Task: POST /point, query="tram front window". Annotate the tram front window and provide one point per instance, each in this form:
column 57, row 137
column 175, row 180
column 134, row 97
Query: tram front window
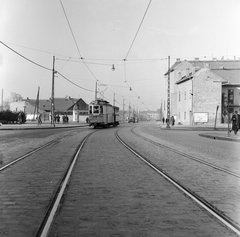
column 96, row 109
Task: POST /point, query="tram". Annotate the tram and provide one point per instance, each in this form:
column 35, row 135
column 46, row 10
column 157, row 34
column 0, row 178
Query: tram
column 103, row 114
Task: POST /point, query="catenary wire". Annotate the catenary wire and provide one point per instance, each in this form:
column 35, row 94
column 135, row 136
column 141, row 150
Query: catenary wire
column 26, row 57
column 138, row 29
column 74, row 83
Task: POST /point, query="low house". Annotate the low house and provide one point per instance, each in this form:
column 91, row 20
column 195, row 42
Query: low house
column 79, row 111
column 62, row 106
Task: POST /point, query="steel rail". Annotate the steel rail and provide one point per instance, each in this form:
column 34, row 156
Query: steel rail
column 187, row 155
column 52, row 209
column 34, row 151
column 200, row 201
column 30, row 153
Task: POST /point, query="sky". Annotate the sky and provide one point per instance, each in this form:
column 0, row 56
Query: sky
column 88, row 37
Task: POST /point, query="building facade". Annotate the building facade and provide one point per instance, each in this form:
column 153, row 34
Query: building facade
column 204, row 91
column 76, row 109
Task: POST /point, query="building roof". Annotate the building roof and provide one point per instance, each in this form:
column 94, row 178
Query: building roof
column 61, row 104
column 212, row 64
column 232, row 76
column 80, row 105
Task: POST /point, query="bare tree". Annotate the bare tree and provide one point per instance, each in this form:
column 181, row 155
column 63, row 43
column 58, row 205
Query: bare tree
column 14, row 97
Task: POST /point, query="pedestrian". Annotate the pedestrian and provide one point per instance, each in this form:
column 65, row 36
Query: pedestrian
column 58, row 118
column 172, row 121
column 39, row 119
column 163, row 120
column 235, row 124
column 20, row 118
column 87, row 120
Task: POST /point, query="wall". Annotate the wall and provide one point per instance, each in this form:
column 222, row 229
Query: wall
column 185, row 104
column 207, row 94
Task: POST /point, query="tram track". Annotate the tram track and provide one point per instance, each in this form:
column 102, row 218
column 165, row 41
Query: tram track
column 206, row 205
column 52, row 209
column 47, row 144
column 186, row 155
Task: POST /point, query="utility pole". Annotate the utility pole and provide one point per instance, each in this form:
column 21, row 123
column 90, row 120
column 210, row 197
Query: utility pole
column 52, row 101
column 2, row 99
column 168, row 98
column 36, row 104
column 96, row 91
column 113, row 99
column 129, row 112
column 123, row 112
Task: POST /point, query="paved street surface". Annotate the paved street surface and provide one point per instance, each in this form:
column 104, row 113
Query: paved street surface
column 111, row 192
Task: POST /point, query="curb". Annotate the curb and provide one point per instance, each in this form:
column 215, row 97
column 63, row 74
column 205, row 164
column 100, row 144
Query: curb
column 220, row 138
column 43, row 127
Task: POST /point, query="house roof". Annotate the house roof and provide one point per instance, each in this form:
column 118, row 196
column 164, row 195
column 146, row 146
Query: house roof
column 61, row 104
column 80, row 104
column 225, row 76
column 213, row 64
column 232, row 76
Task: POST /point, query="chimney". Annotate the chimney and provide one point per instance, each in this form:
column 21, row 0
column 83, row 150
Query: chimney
column 178, row 60
column 196, row 59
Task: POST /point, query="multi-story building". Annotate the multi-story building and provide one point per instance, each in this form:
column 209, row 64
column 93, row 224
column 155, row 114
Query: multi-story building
column 201, row 91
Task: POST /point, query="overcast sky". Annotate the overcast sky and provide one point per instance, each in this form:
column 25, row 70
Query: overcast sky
column 104, row 32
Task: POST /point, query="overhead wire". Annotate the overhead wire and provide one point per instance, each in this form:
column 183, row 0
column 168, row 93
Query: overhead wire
column 49, row 69
column 73, row 82
column 124, row 60
column 69, row 25
column 138, row 29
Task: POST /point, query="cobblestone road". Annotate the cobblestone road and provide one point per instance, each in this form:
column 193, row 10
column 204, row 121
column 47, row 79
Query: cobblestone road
column 27, row 187
column 113, row 193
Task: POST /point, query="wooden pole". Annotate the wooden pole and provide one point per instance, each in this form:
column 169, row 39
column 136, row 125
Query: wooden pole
column 52, row 101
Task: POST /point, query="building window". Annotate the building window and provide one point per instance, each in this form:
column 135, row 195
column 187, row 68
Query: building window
column 230, row 96
column 179, row 97
column 179, row 75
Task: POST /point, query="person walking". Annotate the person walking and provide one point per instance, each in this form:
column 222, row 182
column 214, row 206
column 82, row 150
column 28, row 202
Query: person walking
column 39, row 119
column 163, row 120
column 172, row 121
column 20, row 118
column 235, row 122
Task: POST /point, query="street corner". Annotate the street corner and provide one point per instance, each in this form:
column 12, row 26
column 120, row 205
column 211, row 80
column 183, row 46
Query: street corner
column 222, row 136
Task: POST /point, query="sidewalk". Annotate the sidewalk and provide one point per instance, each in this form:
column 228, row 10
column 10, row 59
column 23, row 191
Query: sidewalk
column 218, row 133
column 44, row 125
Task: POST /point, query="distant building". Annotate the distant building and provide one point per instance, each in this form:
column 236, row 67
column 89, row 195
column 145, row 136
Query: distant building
column 76, row 109
column 201, row 90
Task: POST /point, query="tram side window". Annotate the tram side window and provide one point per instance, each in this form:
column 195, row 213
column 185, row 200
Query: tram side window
column 95, row 109
column 101, row 110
